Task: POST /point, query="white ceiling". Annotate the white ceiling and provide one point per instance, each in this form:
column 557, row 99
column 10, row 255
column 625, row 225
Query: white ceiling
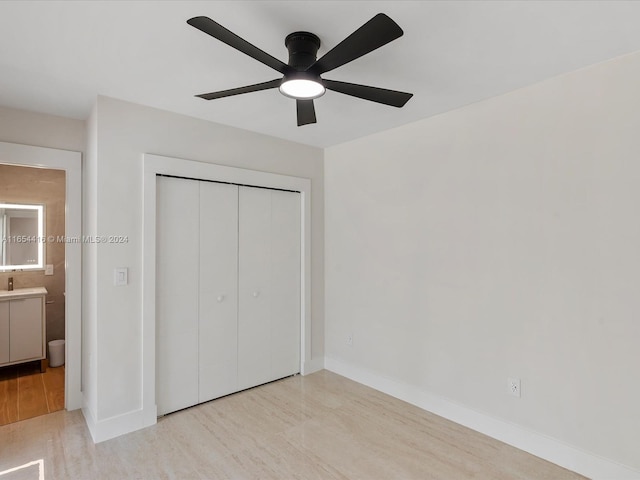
column 55, row 57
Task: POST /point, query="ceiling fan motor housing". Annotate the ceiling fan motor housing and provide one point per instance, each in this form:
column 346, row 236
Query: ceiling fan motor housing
column 303, row 49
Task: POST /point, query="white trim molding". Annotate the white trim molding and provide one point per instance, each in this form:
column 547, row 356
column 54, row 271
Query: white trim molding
column 119, row 425
column 550, row 449
column 71, row 163
column 158, row 165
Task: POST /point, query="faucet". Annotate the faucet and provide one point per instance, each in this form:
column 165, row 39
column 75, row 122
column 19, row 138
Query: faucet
column 10, row 287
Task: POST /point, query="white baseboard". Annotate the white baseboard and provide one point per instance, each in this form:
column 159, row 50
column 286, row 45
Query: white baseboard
column 548, row 448
column 108, row 428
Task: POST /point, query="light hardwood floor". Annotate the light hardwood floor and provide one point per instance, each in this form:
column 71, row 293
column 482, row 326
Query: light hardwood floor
column 27, row 393
column 321, row 426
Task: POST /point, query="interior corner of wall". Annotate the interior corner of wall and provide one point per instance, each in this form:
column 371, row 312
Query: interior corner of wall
column 313, row 365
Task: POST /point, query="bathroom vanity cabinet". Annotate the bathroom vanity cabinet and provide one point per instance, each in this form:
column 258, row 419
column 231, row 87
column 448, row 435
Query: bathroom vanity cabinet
column 22, row 326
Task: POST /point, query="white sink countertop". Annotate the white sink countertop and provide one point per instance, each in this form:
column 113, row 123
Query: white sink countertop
column 22, row 293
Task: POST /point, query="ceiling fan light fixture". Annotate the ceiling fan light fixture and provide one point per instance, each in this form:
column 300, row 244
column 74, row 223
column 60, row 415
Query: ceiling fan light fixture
column 301, row 88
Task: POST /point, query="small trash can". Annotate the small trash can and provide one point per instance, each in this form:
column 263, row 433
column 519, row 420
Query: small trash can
column 56, row 353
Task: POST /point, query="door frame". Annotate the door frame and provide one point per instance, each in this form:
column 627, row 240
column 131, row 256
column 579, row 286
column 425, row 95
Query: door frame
column 71, row 163
column 154, row 165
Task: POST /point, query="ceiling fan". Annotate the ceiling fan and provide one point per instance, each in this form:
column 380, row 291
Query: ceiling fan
column 301, row 76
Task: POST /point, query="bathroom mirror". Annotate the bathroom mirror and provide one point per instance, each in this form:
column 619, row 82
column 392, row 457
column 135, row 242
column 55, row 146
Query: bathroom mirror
column 21, row 237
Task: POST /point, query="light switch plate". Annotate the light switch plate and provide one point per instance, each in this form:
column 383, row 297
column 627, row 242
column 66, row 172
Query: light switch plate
column 48, row 269
column 120, row 276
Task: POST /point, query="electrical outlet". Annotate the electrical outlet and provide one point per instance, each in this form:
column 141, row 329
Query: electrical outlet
column 513, row 385
column 350, row 339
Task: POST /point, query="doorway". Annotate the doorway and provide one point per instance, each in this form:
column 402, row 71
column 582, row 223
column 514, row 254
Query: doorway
column 66, row 297
column 32, row 227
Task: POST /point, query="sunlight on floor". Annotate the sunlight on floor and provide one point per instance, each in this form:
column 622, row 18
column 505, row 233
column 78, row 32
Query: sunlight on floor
column 21, row 475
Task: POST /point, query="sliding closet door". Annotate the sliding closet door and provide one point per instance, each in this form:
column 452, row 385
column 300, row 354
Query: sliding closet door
column 269, row 285
column 177, row 266
column 218, row 344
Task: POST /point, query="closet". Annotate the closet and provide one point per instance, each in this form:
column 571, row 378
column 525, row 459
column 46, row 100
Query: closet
column 227, row 289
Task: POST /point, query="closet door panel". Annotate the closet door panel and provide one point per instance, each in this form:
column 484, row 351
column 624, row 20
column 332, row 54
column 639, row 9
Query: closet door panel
column 218, row 342
column 177, row 266
column 254, row 308
column 285, row 283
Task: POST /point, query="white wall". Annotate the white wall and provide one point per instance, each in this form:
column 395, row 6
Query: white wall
column 124, row 133
column 41, row 130
column 500, row 240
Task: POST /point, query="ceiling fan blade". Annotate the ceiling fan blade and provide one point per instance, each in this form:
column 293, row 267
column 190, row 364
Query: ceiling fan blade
column 208, row 26
column 374, row 94
column 237, row 91
column 377, row 32
column 306, row 112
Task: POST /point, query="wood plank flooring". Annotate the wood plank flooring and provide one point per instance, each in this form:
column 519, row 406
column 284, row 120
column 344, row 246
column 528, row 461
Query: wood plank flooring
column 321, row 426
column 27, row 393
